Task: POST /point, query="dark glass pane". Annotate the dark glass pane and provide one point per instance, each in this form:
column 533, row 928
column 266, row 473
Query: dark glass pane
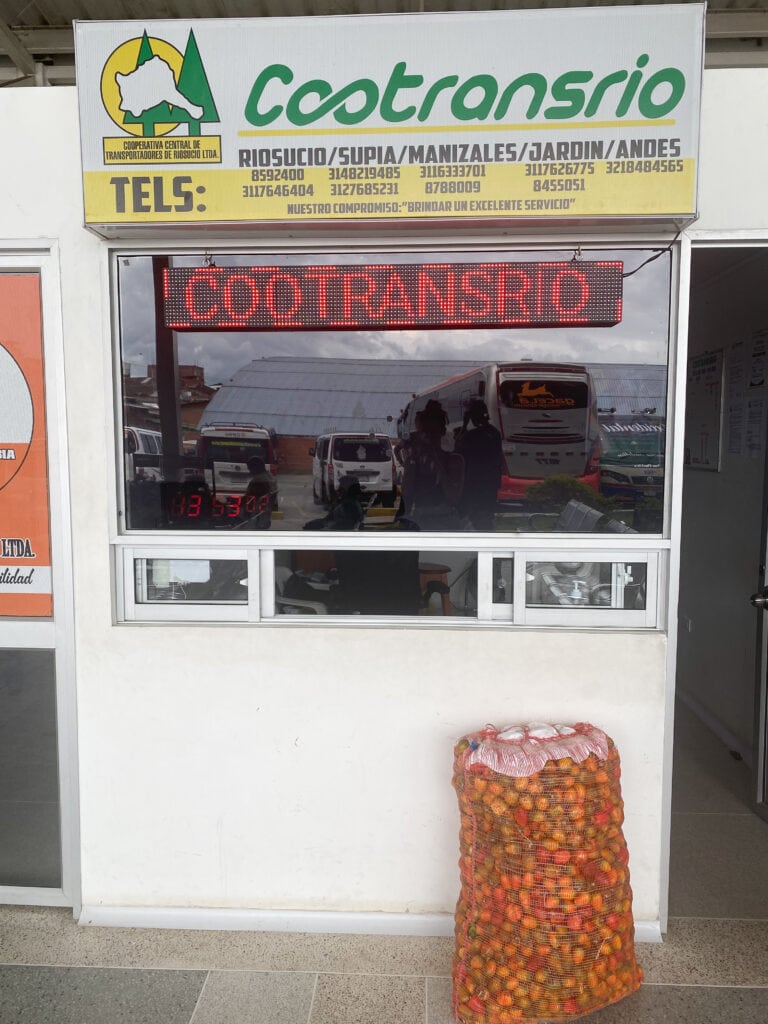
column 191, row 580
column 397, row 583
column 586, row 585
column 30, row 840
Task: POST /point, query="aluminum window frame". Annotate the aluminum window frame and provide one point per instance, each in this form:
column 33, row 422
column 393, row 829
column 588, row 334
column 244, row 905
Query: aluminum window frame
column 131, row 609
column 260, row 606
column 540, row 615
column 653, row 549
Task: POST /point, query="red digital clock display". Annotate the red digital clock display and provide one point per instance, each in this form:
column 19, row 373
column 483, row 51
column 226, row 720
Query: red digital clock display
column 394, row 296
column 232, row 507
column 190, row 503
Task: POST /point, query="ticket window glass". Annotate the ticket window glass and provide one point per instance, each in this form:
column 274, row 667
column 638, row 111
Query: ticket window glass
column 260, row 426
column 191, row 580
column 581, row 584
column 376, row 582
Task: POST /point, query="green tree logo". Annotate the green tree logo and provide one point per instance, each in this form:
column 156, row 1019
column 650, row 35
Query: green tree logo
column 149, row 88
column 193, row 83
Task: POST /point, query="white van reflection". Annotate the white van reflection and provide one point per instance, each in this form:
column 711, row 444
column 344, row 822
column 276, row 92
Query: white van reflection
column 367, row 458
column 142, row 450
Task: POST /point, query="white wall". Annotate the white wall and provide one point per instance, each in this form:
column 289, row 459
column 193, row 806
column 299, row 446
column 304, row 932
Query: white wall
column 716, row 657
column 312, row 768
column 285, row 768
column 734, row 151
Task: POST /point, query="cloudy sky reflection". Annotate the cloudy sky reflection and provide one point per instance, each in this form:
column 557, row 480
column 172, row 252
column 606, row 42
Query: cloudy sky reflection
column 641, row 337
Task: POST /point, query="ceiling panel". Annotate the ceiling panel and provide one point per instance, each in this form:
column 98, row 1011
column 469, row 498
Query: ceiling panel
column 36, row 43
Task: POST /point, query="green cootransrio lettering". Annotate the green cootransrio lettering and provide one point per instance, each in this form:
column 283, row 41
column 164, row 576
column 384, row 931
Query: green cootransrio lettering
column 433, row 92
column 536, row 82
column 406, row 96
column 671, row 77
column 344, row 115
column 481, row 111
column 633, row 83
column 252, row 113
column 564, row 91
column 314, row 87
column 600, row 89
column 399, row 81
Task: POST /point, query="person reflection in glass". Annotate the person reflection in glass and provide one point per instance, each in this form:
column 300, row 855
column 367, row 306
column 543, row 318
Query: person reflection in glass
column 260, row 495
column 479, row 444
column 347, row 512
column 433, row 478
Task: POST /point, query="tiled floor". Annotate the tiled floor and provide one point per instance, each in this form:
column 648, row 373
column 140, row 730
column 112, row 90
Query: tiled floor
column 711, row 968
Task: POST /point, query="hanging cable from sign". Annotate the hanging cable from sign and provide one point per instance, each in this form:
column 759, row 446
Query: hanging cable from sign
column 655, row 256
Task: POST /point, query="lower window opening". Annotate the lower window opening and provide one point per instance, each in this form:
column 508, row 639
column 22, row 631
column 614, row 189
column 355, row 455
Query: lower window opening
column 392, row 583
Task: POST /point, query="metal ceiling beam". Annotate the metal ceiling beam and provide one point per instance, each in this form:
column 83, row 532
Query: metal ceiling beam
column 45, row 40
column 748, row 56
column 736, row 36
column 60, row 74
column 737, row 25
column 10, row 45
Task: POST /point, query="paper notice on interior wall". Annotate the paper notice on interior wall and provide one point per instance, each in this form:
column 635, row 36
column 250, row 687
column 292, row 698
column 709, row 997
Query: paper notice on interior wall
column 755, row 430
column 704, row 412
column 758, row 370
column 736, row 371
column 735, row 423
column 735, row 415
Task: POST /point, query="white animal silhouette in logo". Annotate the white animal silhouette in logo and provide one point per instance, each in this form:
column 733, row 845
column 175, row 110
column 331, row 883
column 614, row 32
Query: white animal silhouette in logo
column 150, row 84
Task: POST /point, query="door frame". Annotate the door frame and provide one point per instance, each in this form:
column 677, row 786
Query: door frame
column 748, row 239
column 760, row 741
column 57, row 634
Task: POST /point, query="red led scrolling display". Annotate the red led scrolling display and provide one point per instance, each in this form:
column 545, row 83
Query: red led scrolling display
column 394, row 296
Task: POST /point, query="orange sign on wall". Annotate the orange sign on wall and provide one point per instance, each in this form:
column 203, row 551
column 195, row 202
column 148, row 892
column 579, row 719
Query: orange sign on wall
column 25, row 539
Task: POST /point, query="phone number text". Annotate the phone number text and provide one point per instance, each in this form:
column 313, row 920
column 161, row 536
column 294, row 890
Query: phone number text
column 364, row 188
column 645, row 167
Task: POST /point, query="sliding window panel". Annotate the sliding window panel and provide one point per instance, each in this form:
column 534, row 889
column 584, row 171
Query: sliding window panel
column 495, row 586
column 588, row 589
column 375, row 583
column 168, row 584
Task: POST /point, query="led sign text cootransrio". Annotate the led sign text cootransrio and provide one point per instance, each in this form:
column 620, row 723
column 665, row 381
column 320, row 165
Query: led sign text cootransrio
column 394, row 296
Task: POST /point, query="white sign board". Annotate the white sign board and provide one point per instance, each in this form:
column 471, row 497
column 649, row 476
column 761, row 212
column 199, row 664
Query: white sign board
column 516, row 115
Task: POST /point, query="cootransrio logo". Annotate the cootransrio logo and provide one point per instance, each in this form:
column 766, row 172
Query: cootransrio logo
column 645, row 92
column 149, row 88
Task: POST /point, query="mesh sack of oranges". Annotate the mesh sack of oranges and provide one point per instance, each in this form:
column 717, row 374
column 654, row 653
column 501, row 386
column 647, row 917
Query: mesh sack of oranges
column 544, row 927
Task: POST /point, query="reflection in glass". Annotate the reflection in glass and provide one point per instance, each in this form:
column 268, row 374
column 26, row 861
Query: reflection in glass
column 397, row 583
column 632, row 465
column 30, row 841
column 191, row 580
column 503, row 581
column 340, row 459
column 586, row 585
column 458, row 431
